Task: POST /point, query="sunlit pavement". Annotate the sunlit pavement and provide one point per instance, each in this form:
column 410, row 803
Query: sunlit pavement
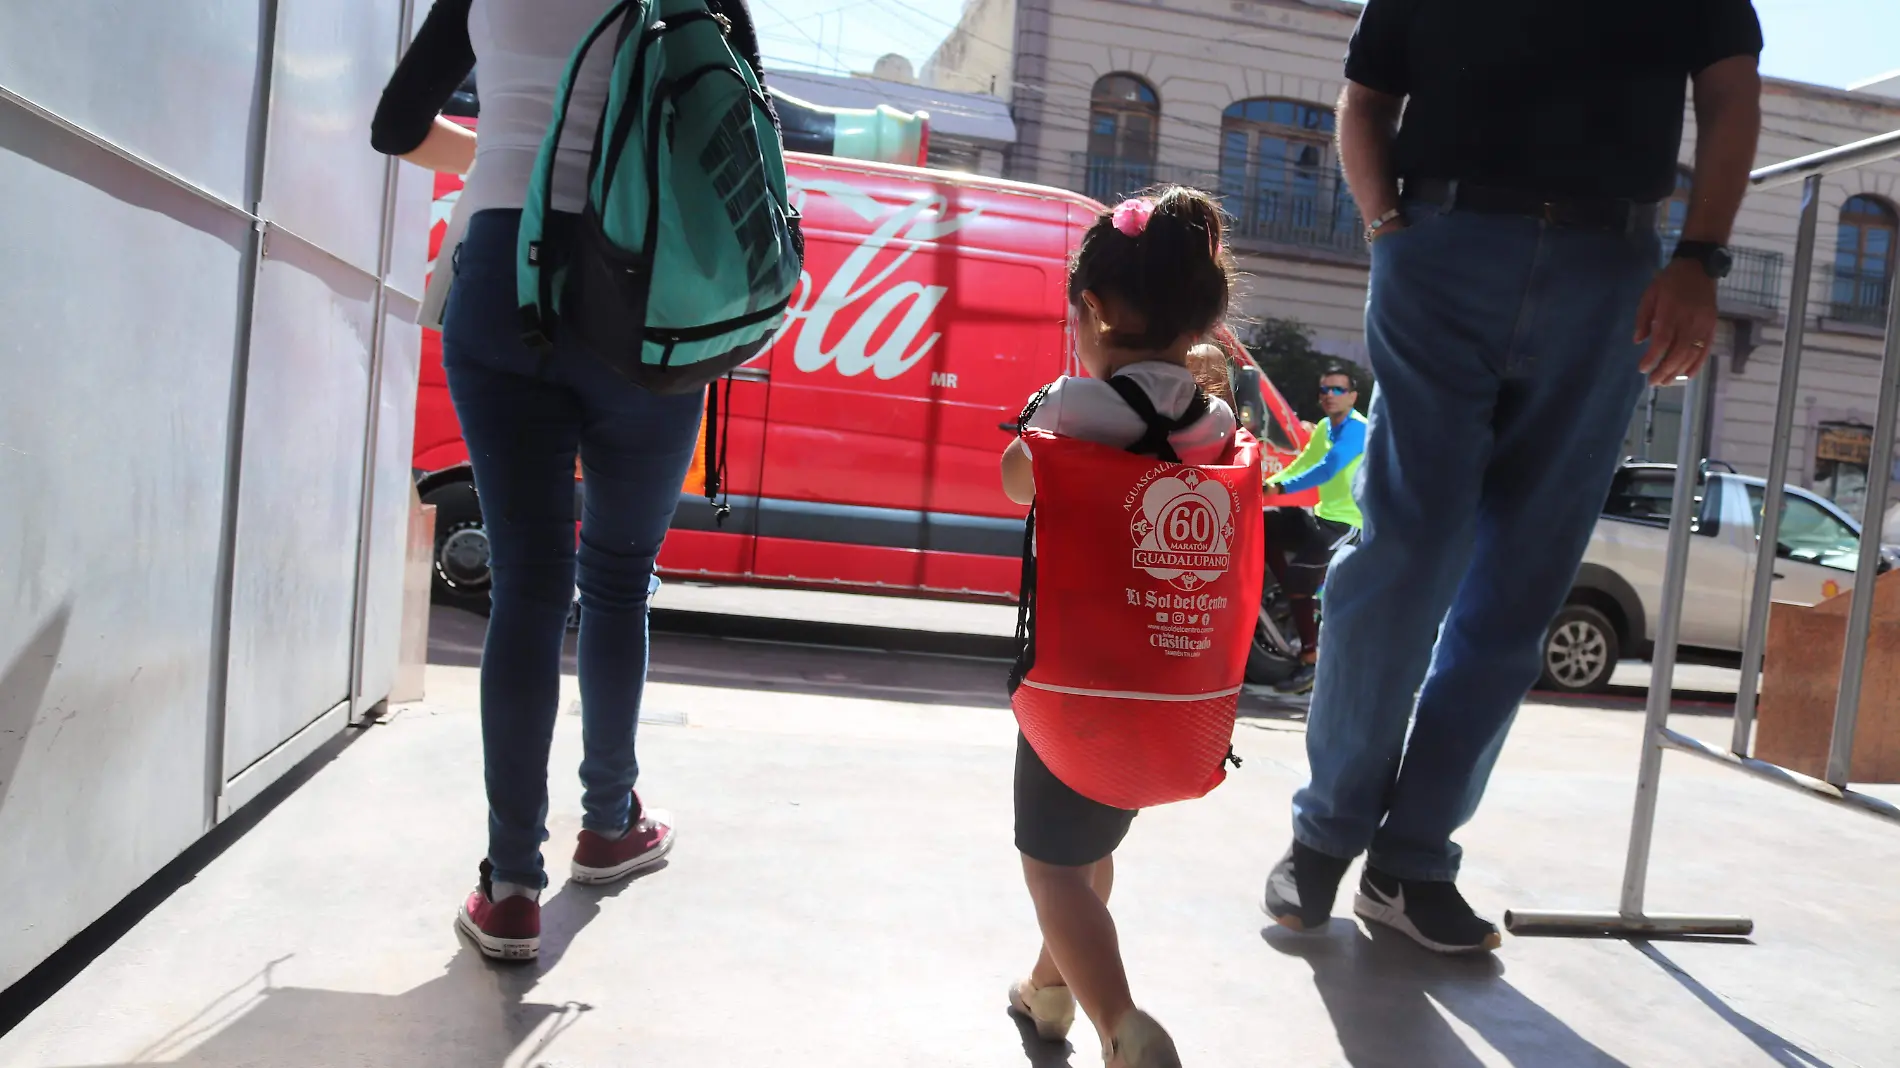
column 844, row 894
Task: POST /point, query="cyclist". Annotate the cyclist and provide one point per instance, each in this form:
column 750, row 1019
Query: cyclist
column 1300, row 544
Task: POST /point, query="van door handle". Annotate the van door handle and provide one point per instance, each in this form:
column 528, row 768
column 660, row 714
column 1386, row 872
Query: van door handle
column 749, row 374
column 1011, row 428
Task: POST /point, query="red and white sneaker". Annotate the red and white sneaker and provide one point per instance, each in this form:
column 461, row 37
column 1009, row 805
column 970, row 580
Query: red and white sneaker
column 509, row 929
column 599, row 859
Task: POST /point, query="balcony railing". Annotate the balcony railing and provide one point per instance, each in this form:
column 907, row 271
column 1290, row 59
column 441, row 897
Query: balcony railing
column 1313, row 209
column 1856, row 297
column 1307, row 209
column 1753, row 282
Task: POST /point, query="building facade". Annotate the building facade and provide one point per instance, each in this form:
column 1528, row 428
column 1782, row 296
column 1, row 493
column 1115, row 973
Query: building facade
column 1236, row 96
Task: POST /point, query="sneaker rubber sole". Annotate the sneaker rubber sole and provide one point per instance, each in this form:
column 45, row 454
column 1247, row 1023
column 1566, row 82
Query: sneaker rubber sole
column 1292, row 921
column 1387, row 916
column 514, row 950
column 587, row 876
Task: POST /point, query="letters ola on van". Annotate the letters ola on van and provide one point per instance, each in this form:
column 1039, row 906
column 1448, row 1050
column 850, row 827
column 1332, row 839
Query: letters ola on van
column 816, row 310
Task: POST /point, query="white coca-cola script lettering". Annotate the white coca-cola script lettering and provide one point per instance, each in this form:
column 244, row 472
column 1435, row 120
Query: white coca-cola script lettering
column 813, row 309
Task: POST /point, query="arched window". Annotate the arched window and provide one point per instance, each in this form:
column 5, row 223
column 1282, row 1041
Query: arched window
column 1277, row 173
column 1863, row 260
column 1673, row 213
column 1124, row 118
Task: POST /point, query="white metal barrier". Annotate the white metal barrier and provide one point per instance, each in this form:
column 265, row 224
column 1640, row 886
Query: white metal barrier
column 1631, row 916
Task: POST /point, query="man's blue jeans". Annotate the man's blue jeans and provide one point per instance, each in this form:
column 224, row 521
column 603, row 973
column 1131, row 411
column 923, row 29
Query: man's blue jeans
column 524, row 419
column 1506, row 379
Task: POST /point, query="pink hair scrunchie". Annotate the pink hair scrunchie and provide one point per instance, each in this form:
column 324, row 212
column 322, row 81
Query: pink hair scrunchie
column 1131, row 216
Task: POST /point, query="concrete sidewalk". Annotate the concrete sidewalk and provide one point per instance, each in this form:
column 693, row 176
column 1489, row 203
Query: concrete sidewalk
column 844, row 894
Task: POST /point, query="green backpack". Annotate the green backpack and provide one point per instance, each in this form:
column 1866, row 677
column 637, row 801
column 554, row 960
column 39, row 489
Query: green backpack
column 688, row 249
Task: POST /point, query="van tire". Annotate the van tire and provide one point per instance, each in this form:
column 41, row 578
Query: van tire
column 1580, row 651
column 459, row 573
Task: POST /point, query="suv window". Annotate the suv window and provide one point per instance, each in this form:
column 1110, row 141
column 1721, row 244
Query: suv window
column 1647, row 495
column 1809, row 532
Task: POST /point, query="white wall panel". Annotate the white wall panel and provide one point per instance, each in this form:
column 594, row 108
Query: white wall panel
column 120, row 300
column 174, row 82
column 389, row 501
column 293, row 591
column 320, row 177
column 409, row 241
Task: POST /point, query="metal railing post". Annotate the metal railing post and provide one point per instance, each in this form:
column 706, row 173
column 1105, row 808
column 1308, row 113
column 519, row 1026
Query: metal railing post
column 1860, row 613
column 1630, row 916
column 1662, row 672
column 1769, row 531
column 1630, row 919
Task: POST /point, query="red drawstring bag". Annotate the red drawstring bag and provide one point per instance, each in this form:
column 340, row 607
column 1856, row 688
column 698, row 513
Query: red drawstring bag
column 1139, row 604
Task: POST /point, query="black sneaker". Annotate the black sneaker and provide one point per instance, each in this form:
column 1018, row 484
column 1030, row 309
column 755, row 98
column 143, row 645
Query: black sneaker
column 1433, row 914
column 1301, row 681
column 1301, row 888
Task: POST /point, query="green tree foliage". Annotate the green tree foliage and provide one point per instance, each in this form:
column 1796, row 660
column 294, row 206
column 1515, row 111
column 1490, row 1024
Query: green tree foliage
column 1284, row 350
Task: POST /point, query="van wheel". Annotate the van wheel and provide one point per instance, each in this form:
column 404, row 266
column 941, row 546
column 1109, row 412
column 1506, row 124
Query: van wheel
column 1580, row 651
column 461, row 572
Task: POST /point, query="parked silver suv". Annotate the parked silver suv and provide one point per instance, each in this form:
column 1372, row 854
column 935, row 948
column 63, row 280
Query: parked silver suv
column 1612, row 609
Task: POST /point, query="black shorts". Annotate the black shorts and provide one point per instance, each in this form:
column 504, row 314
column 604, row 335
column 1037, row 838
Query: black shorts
column 1308, row 543
column 1056, row 825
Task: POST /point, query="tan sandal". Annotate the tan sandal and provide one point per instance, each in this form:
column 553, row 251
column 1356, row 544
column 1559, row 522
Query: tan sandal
column 1050, row 1008
column 1141, row 1042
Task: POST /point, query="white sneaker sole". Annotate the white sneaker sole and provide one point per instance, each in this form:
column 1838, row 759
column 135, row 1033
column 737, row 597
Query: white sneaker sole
column 1385, row 915
column 508, row 949
column 587, row 876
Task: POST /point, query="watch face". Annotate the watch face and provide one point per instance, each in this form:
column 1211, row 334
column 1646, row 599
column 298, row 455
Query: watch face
column 1719, row 263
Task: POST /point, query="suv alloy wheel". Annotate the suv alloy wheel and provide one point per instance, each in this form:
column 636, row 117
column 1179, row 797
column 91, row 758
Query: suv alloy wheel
column 1581, row 649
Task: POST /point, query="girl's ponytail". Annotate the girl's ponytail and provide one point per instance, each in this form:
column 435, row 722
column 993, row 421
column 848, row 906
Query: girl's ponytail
column 1163, row 255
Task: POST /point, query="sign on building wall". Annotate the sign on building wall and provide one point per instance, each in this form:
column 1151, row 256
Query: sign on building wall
column 1845, row 444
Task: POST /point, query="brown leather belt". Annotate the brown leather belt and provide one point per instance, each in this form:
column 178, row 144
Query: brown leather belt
column 1580, row 213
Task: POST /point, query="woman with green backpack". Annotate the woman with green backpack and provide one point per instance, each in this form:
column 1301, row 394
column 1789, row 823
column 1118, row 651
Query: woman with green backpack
column 526, row 413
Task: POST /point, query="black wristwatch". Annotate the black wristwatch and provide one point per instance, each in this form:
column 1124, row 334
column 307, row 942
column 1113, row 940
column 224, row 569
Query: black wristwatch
column 1714, row 258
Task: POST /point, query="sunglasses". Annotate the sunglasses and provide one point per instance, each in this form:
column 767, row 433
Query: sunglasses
column 1334, row 391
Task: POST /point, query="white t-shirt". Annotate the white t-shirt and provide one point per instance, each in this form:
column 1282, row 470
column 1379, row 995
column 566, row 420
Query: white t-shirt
column 1090, row 409
column 522, row 48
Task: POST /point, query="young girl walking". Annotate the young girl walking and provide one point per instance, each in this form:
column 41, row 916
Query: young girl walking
column 1150, row 280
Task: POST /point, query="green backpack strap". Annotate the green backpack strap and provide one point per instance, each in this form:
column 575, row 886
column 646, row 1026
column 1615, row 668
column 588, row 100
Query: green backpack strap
column 534, row 274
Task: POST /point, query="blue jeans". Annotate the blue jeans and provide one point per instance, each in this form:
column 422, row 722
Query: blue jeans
column 524, row 418
column 1506, row 379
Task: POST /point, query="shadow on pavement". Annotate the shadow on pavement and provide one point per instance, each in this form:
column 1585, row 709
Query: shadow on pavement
column 1040, row 1053
column 32, row 990
column 798, row 661
column 766, row 653
column 475, row 1012
column 1783, row 1051
column 1389, row 999
column 1636, row 699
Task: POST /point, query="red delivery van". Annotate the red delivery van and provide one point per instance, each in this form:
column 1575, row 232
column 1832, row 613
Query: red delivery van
column 861, row 448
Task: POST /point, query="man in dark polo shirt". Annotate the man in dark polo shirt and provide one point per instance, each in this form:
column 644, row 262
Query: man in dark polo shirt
column 1509, row 156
